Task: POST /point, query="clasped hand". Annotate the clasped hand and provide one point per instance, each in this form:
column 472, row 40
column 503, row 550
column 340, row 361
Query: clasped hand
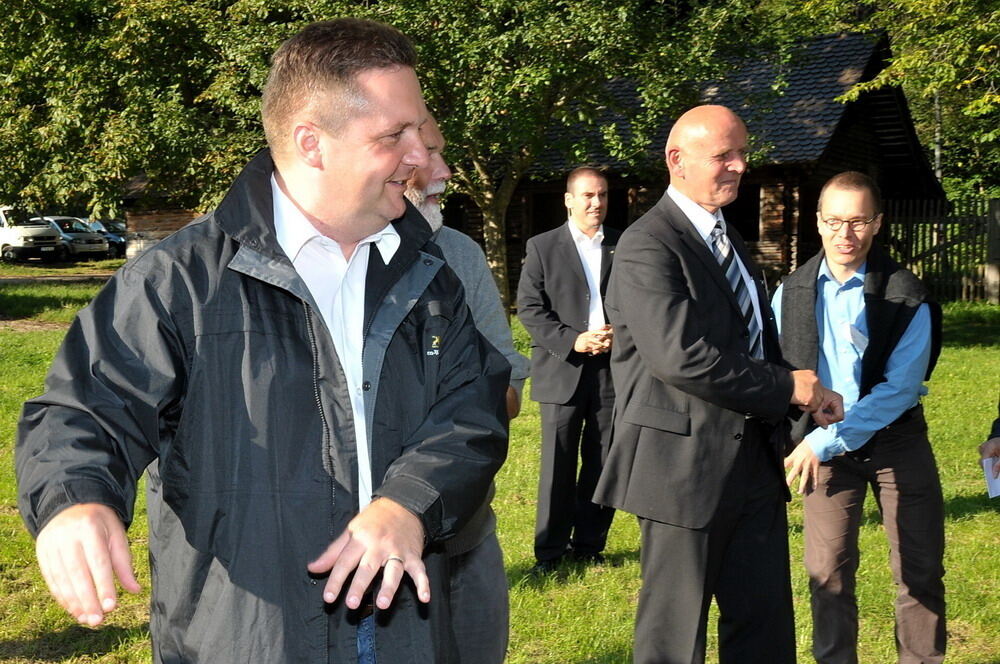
column 594, row 342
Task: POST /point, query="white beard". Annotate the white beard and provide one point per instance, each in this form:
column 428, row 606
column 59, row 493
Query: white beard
column 430, row 211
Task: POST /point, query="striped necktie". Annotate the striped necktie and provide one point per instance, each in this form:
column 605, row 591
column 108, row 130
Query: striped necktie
column 724, row 253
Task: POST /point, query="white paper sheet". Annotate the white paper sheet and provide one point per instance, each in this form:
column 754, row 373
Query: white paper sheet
column 992, row 483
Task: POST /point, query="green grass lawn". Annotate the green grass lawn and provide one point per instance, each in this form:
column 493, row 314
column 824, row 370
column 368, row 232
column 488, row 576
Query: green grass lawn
column 584, row 614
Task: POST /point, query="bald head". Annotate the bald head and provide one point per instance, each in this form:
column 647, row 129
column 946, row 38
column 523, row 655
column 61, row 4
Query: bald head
column 706, row 155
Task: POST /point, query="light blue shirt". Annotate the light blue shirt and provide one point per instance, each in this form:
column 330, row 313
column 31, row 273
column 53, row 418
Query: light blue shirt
column 843, row 337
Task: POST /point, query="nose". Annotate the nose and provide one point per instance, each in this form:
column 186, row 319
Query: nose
column 416, row 153
column 441, row 170
column 845, row 230
column 738, row 164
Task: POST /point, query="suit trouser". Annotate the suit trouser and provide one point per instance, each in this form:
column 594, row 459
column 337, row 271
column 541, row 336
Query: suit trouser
column 904, row 479
column 565, row 505
column 480, row 611
column 741, row 559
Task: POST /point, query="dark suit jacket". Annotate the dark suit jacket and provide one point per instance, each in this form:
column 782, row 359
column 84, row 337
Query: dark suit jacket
column 553, row 303
column 684, row 379
column 995, row 433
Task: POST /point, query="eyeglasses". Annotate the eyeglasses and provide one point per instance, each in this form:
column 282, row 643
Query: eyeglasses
column 857, row 225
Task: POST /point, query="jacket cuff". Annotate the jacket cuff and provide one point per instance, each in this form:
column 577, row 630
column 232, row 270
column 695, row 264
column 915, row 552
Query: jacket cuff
column 69, row 493
column 419, row 498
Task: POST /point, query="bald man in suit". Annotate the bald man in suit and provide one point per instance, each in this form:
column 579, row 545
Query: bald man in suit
column 701, row 395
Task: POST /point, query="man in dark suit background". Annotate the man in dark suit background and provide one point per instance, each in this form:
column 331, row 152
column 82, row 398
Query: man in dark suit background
column 700, row 385
column 560, row 301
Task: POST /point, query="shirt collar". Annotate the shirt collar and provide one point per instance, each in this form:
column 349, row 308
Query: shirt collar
column 703, row 220
column 294, row 231
column 858, row 276
column 580, row 237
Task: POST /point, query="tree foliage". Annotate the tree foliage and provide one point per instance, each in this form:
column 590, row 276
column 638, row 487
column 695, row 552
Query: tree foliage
column 98, row 92
column 99, row 96
column 946, row 57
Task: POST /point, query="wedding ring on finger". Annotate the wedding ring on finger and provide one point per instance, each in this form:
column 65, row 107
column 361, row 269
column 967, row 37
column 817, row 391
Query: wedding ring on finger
column 391, row 558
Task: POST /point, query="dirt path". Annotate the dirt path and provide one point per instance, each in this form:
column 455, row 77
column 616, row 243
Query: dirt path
column 25, row 325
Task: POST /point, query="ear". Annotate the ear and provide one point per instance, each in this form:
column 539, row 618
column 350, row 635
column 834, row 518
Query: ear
column 877, row 224
column 306, row 146
column 567, row 200
column 674, row 162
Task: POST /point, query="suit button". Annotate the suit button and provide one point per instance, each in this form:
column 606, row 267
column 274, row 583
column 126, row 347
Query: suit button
column 738, row 436
column 366, row 386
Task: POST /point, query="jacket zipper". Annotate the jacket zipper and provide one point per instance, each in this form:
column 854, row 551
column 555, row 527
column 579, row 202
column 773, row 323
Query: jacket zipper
column 328, row 460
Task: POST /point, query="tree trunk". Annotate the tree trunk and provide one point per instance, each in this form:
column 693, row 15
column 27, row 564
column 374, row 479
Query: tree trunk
column 495, row 242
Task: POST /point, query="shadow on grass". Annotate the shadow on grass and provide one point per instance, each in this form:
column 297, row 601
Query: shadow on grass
column 620, row 656
column 521, row 574
column 71, row 642
column 970, row 324
column 30, row 301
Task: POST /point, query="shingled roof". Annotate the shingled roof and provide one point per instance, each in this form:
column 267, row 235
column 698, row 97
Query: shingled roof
column 797, row 125
column 792, row 126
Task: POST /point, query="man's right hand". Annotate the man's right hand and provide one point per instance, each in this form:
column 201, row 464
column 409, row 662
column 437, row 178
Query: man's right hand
column 80, row 551
column 809, row 394
column 991, row 449
column 594, row 342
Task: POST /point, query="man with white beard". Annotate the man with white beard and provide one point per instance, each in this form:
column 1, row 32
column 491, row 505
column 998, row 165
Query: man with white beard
column 478, row 588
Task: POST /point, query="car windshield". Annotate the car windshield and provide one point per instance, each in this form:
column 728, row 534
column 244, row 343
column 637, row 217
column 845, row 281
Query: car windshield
column 115, row 226
column 72, row 226
column 20, row 218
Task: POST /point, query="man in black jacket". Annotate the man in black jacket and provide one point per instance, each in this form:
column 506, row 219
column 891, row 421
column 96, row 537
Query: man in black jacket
column 302, row 365
column 560, row 301
column 870, row 330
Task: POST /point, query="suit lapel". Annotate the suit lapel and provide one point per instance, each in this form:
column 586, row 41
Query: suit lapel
column 572, row 257
column 692, row 239
column 607, row 256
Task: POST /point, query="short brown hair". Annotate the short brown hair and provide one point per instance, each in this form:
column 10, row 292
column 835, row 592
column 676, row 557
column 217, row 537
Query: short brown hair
column 581, row 171
column 325, row 59
column 855, row 181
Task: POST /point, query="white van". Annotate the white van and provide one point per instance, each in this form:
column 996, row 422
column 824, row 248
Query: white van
column 21, row 237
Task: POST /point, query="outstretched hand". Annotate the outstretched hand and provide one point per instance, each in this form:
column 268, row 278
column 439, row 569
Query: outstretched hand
column 383, row 536
column 80, row 552
column 804, row 463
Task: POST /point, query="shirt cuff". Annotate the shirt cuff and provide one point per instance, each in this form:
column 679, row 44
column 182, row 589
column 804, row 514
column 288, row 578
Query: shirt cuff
column 824, row 443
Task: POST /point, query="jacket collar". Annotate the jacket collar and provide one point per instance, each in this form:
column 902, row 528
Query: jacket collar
column 246, row 214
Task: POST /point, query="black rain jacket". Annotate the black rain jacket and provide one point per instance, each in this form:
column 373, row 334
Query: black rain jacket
column 207, row 354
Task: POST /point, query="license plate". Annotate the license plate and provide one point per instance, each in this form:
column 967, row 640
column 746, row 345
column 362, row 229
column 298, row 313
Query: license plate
column 48, row 248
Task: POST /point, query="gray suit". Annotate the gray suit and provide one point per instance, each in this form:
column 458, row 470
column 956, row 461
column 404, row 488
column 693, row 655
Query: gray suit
column 696, row 453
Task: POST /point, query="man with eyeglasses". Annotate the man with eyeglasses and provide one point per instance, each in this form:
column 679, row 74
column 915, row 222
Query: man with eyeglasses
column 870, row 330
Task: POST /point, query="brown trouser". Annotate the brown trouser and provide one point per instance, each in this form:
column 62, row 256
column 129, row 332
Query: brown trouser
column 904, row 479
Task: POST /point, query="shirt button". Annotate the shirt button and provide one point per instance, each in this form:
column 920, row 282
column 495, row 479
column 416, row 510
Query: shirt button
column 738, row 436
column 366, row 386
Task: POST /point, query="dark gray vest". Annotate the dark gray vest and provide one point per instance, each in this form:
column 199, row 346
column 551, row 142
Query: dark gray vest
column 892, row 295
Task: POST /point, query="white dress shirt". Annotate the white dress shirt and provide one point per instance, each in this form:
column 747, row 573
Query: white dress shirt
column 589, row 250
column 704, row 222
column 338, row 287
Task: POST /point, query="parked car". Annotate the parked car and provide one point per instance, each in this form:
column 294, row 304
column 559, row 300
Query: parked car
column 113, row 231
column 77, row 238
column 21, row 237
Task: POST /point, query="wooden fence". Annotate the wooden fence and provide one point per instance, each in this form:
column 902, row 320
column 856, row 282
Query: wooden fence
column 947, row 245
